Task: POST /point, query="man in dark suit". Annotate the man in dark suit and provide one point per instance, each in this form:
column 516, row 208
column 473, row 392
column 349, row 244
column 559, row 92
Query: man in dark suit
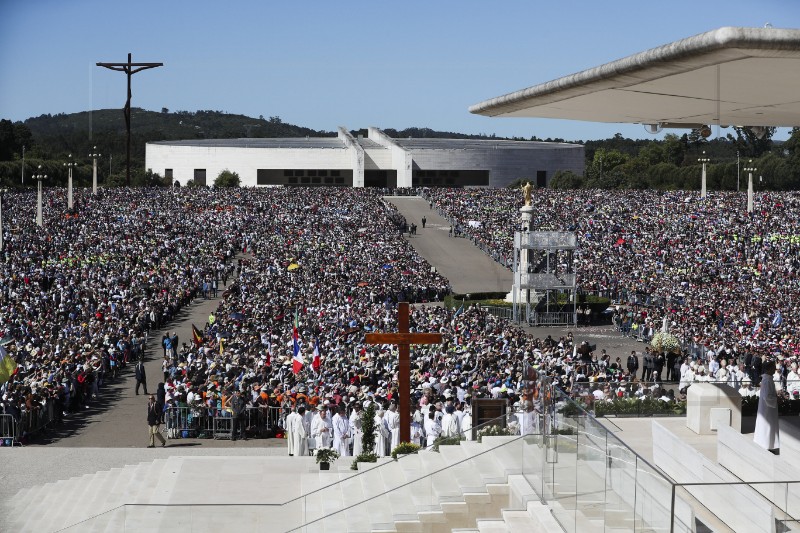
column 141, row 377
column 633, row 363
column 153, row 417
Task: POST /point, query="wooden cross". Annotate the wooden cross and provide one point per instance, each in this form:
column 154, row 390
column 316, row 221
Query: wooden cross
column 404, row 339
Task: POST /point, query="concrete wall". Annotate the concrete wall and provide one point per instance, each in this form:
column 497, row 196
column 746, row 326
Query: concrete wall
column 505, row 164
column 183, row 160
column 402, row 161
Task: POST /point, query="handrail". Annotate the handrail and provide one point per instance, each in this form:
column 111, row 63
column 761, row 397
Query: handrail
column 471, row 457
column 287, row 502
column 427, row 448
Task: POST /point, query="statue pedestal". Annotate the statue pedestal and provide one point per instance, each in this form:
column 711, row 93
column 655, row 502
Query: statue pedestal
column 526, row 216
column 709, row 405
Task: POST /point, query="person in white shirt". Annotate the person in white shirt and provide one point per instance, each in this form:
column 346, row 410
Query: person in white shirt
column 450, row 423
column 793, row 382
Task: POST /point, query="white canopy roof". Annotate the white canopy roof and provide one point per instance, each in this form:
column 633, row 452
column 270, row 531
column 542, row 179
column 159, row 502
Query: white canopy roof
column 729, row 76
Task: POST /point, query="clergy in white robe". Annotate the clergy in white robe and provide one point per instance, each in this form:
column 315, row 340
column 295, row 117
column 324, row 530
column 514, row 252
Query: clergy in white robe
column 382, row 435
column 450, row 423
column 356, row 433
column 432, row 428
column 320, row 431
column 466, row 423
column 298, row 433
column 766, row 434
column 392, row 418
column 291, row 420
column 341, row 435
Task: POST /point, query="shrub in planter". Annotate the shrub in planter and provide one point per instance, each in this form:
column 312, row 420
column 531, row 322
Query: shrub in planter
column 326, row 455
column 404, row 448
column 368, row 429
column 366, row 457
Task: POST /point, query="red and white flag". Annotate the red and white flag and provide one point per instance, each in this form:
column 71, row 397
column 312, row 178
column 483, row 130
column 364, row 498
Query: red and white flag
column 316, row 362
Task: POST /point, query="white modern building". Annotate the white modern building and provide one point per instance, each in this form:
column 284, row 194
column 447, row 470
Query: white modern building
column 374, row 160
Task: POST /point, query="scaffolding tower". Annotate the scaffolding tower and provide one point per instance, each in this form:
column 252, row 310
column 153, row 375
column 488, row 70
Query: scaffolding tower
column 544, row 278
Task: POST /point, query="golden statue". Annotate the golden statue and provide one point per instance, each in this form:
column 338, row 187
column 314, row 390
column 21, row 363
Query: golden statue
column 526, row 192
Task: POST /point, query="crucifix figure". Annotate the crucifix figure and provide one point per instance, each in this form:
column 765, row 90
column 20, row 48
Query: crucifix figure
column 404, row 339
column 130, row 69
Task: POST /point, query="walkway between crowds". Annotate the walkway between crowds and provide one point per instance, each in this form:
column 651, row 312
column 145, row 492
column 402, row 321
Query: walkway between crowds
column 468, row 269
column 119, row 419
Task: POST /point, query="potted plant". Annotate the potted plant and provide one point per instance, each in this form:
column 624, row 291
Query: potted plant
column 325, row 456
column 404, row 448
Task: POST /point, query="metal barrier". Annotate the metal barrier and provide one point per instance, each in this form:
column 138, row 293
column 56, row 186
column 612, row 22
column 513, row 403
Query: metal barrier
column 553, row 319
column 9, row 430
column 201, row 422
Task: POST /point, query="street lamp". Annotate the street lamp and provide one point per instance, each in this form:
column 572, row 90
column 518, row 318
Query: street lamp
column 737, row 170
column 2, row 195
column 94, row 155
column 39, row 177
column 70, row 165
column 750, row 169
column 703, row 160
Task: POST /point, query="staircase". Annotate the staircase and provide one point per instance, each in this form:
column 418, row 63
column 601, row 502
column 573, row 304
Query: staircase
column 471, row 487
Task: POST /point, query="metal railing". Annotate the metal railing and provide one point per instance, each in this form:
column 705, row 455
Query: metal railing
column 203, row 422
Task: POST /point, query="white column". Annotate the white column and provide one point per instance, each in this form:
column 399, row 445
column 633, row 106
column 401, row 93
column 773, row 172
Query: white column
column 39, row 205
column 703, row 184
column 94, row 175
column 750, row 192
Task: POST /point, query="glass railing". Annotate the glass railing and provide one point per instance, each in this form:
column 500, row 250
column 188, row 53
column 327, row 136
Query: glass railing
column 588, row 477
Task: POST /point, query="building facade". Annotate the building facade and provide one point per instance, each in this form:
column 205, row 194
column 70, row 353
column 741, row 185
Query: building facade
column 374, row 160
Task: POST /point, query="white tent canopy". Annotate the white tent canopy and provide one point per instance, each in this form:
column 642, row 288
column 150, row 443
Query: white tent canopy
column 729, row 76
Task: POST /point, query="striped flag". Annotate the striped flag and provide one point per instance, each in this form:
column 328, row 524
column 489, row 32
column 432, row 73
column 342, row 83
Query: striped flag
column 197, row 336
column 316, row 362
column 297, row 357
column 8, row 365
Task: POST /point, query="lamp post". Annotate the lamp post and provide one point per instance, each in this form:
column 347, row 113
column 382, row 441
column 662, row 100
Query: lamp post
column 39, row 177
column 737, row 170
column 2, row 196
column 94, row 155
column 70, row 164
column 750, row 169
column 703, row 160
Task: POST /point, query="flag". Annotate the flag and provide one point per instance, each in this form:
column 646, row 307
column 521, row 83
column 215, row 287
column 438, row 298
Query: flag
column 315, row 363
column 757, row 327
column 297, row 357
column 197, row 336
column 778, row 320
column 459, row 310
column 8, row 365
column 268, row 362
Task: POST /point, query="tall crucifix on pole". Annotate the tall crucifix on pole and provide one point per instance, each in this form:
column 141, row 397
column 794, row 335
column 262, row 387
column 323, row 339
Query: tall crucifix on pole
column 404, row 339
column 130, row 69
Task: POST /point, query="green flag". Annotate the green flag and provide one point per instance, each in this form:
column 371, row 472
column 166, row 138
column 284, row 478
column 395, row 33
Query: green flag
column 7, row 365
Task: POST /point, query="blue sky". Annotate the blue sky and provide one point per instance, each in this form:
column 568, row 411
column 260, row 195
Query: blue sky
column 324, row 64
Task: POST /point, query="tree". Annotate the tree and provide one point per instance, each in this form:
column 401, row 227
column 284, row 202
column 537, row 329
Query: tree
column 368, row 428
column 566, row 179
column 752, row 143
column 227, row 178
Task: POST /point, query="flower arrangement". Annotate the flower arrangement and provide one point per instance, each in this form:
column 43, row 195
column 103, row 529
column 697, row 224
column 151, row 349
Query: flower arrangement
column 493, row 431
column 404, row 448
column 665, row 342
column 326, row 455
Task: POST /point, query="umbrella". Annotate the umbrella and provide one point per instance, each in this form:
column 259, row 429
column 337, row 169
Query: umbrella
column 362, row 283
column 293, row 266
column 237, row 316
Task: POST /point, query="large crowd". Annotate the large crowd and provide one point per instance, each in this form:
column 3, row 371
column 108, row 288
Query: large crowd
column 80, row 295
column 725, row 279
